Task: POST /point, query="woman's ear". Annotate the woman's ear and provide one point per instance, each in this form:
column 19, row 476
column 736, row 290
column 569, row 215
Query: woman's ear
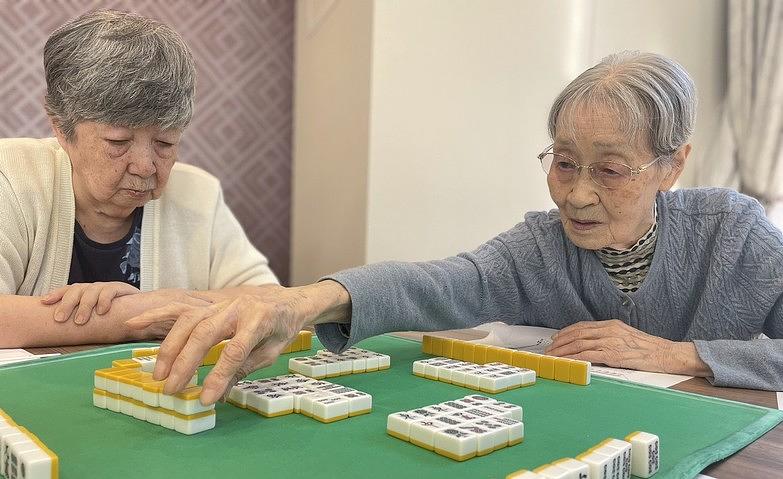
column 675, row 168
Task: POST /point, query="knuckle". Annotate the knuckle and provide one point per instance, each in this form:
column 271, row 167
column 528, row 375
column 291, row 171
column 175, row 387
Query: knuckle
column 204, row 332
column 235, row 352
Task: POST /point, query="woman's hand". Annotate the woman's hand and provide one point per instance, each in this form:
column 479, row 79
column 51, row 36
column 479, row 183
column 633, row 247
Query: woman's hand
column 260, row 325
column 81, row 300
column 618, row 345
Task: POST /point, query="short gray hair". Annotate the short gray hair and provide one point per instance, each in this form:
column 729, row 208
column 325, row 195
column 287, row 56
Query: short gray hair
column 118, row 68
column 649, row 94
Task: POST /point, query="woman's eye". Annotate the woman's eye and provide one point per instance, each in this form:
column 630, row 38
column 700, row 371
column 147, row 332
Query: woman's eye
column 117, row 142
column 565, row 166
column 165, row 144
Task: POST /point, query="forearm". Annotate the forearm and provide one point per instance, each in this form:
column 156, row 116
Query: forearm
column 26, row 322
column 683, row 358
column 753, row 364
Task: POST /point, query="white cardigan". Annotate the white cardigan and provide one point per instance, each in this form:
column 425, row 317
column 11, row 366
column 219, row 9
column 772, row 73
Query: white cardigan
column 189, row 237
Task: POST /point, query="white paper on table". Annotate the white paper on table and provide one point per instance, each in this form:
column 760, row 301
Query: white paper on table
column 8, row 356
column 536, row 339
column 780, row 401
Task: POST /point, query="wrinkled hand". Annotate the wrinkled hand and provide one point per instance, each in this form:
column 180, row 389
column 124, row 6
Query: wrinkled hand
column 260, row 327
column 81, row 300
column 618, row 345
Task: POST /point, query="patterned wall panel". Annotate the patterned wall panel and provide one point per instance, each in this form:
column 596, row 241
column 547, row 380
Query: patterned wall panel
column 241, row 131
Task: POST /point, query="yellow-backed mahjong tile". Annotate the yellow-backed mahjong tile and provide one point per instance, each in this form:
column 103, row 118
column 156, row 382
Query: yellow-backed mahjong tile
column 547, row 367
column 562, row 369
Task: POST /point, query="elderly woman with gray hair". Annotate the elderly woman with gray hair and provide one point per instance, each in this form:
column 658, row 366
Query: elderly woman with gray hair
column 632, row 274
column 102, row 211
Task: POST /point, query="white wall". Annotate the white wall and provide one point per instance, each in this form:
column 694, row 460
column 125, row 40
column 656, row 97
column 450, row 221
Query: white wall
column 458, row 97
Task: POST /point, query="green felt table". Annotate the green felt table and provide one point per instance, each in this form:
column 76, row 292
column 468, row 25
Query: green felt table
column 53, row 398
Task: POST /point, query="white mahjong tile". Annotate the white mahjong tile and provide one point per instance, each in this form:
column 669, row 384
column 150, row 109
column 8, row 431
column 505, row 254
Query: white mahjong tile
column 473, row 379
column 447, row 421
column 480, row 399
column 372, row 363
column 7, row 433
column 458, row 375
column 240, row 391
column 398, row 424
column 516, row 429
column 147, row 363
column 384, row 361
column 463, row 416
column 153, row 416
column 444, row 374
column 333, row 368
column 99, row 400
column 512, row 410
column 346, row 366
column 457, row 406
column 457, row 444
column 12, row 442
column 497, row 434
column 481, row 412
column 358, row 364
column 166, row 401
column 166, row 420
column 616, row 466
column 298, row 394
column 139, row 412
column 528, row 377
column 112, row 385
column 35, row 463
column 486, row 439
column 328, row 386
column 99, row 382
column 360, row 402
column 306, row 401
column 113, row 403
column 422, row 432
column 624, row 448
column 419, row 367
column 194, row 426
column 599, row 464
column 494, row 383
column 431, row 369
column 271, row 404
column 645, row 455
column 190, row 406
column 150, row 397
column 577, row 469
column 440, row 409
column 193, row 380
column 553, row 471
column 126, row 407
column 126, row 389
column 425, row 412
column 331, row 408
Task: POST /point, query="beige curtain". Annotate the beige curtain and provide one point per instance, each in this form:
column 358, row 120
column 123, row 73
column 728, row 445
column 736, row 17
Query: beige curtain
column 754, row 108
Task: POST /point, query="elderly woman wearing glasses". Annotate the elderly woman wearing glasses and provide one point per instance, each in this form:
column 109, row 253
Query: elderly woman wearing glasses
column 96, row 221
column 632, row 274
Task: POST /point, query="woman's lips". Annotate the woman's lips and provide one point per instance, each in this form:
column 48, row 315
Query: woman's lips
column 584, row 225
column 137, row 193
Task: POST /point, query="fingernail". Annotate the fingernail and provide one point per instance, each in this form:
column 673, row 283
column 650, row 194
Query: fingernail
column 79, row 319
column 169, row 385
column 59, row 317
column 209, row 394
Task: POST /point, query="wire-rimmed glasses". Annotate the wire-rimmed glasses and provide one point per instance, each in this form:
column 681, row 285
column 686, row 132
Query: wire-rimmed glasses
column 607, row 174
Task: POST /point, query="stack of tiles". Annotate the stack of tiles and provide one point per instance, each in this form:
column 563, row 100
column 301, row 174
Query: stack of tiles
column 293, row 393
column 490, row 377
column 460, row 429
column 547, row 367
column 609, row 459
column 303, row 342
column 326, row 364
column 128, row 387
column 23, row 455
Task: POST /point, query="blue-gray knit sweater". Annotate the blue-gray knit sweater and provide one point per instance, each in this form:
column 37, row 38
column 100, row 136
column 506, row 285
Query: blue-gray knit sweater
column 716, row 279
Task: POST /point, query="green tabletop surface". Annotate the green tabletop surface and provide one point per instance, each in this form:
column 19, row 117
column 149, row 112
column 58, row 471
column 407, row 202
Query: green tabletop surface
column 53, row 398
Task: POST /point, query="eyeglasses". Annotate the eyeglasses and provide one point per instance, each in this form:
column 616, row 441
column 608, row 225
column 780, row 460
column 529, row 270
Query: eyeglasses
column 606, row 174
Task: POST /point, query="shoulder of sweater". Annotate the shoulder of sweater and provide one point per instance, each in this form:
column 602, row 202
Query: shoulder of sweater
column 39, row 154
column 186, row 178
column 710, row 201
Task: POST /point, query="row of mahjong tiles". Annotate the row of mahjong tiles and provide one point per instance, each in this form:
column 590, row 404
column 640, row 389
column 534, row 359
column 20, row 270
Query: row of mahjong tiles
column 639, row 455
column 23, row 455
column 546, row 367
